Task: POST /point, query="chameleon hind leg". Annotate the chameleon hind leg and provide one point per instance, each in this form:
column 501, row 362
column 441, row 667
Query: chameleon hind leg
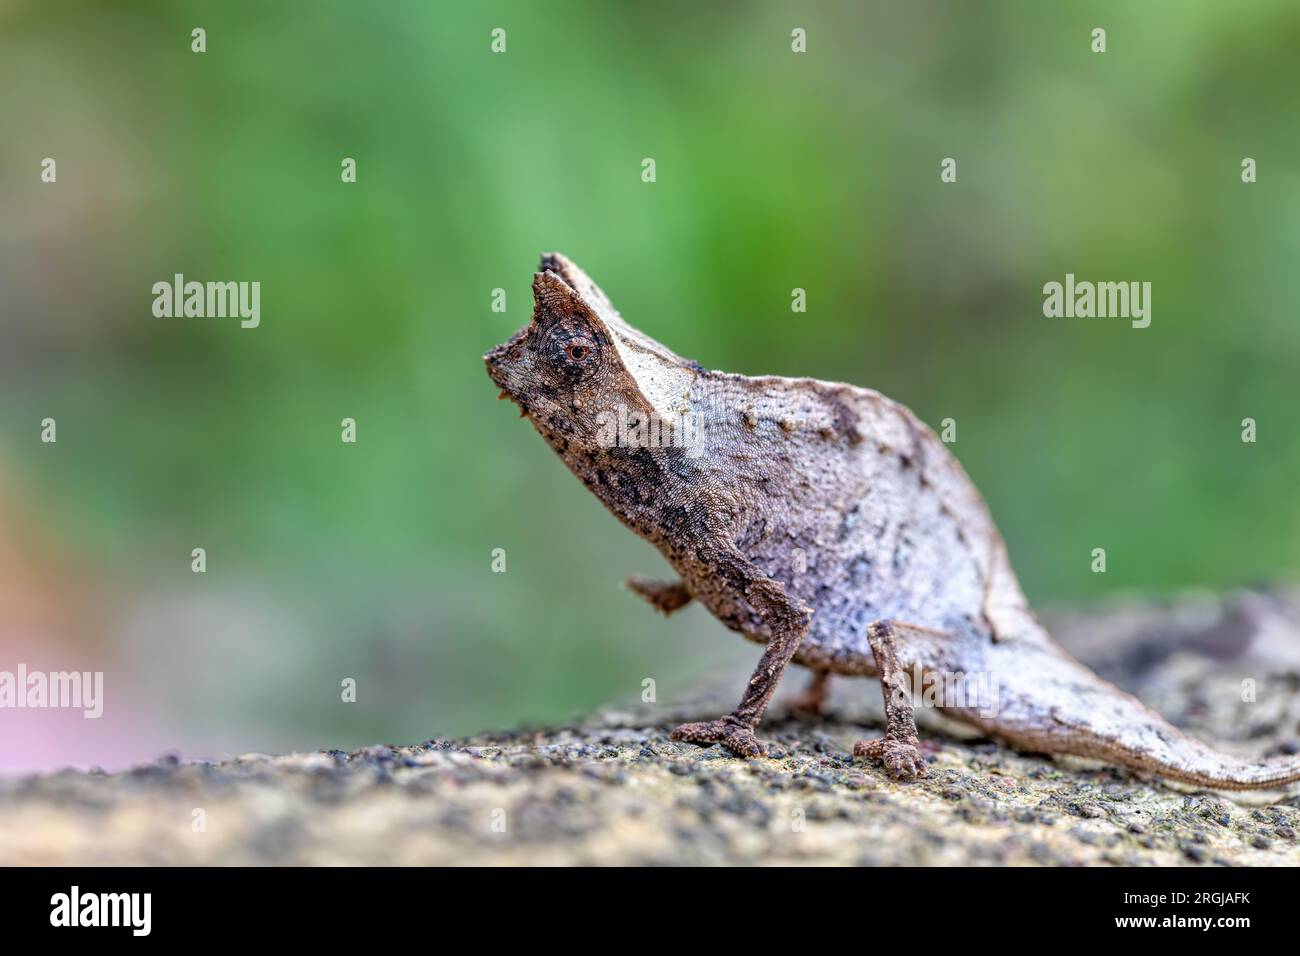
column 898, row 750
column 812, row 699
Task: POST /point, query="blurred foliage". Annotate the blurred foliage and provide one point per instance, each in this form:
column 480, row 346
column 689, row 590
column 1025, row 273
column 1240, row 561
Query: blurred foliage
column 775, row 170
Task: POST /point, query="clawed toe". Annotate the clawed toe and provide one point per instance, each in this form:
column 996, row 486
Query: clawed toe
column 732, row 734
column 871, row 749
column 902, row 760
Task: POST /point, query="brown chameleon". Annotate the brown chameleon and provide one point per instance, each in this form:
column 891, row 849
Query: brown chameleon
column 827, row 523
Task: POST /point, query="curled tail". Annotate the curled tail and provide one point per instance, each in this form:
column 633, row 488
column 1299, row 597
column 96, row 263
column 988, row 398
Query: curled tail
column 1050, row 703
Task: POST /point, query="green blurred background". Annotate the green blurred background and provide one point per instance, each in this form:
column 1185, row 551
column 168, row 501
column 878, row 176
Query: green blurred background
column 774, row 170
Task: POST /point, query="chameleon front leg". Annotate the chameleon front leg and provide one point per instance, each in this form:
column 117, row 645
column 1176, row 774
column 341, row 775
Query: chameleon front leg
column 664, row 596
column 786, row 621
column 897, row 750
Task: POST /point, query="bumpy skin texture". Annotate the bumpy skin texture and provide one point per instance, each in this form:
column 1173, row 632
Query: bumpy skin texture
column 827, row 523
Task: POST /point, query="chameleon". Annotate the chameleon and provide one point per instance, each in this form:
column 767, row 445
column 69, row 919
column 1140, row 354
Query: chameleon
column 828, row 524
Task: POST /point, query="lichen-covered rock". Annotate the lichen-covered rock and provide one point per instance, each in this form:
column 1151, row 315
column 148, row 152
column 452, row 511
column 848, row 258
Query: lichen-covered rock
column 615, row 790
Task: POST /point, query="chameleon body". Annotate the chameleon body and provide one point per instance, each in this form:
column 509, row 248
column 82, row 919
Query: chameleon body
column 827, row 523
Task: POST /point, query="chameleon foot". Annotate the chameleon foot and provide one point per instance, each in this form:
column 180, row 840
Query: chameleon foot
column 727, row 731
column 902, row 759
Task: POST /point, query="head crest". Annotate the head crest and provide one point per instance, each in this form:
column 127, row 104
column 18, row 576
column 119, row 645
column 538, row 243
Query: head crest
column 661, row 376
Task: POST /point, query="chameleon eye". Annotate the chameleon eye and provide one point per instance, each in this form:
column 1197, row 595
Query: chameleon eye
column 575, row 353
column 572, row 352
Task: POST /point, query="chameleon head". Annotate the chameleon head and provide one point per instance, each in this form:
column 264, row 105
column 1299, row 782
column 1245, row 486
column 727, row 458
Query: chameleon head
column 580, row 373
column 563, row 369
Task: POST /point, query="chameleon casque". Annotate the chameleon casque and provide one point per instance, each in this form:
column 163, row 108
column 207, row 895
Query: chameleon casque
column 827, row 523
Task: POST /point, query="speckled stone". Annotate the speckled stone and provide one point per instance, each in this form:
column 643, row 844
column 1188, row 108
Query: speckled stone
column 616, row 790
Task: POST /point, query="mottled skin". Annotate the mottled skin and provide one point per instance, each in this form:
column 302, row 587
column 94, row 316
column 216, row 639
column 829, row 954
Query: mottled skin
column 827, row 523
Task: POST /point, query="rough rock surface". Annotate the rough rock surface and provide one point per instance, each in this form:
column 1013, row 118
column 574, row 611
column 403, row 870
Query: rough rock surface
column 614, row 789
